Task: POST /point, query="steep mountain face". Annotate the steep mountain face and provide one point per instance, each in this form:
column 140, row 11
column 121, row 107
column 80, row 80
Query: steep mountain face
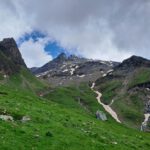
column 10, row 57
column 127, row 90
column 133, row 62
column 65, row 70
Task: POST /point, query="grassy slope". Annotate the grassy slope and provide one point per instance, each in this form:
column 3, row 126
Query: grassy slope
column 23, row 80
column 78, row 97
column 129, row 105
column 140, row 76
column 70, row 127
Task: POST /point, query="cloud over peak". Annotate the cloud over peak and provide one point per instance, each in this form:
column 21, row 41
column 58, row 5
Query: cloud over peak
column 102, row 29
column 34, row 52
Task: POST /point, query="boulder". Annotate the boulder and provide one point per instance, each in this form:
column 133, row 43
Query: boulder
column 101, row 115
column 6, row 118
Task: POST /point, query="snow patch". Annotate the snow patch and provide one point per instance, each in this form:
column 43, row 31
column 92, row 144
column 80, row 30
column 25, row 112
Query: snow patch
column 104, row 75
column 81, row 76
column 42, row 74
column 65, row 70
column 63, row 66
column 76, row 67
column 109, row 71
column 72, row 71
column 93, row 85
column 103, row 62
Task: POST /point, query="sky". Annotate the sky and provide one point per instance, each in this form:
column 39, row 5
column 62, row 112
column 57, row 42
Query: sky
column 97, row 29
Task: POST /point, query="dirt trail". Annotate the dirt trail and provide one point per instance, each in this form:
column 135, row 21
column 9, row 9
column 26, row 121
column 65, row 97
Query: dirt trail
column 106, row 107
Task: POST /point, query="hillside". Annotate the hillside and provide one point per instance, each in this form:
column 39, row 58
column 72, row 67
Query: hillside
column 43, row 123
column 34, row 115
column 127, row 90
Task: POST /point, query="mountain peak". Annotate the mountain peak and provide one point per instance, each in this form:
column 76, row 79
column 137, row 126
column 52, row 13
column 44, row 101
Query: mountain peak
column 9, row 42
column 62, row 56
column 136, row 60
column 11, row 59
column 133, row 62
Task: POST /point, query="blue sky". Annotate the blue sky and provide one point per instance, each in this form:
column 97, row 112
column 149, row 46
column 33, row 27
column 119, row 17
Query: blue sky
column 51, row 47
column 37, row 48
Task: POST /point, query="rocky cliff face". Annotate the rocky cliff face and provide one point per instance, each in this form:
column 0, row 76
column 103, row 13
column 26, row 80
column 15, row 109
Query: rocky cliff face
column 64, row 70
column 10, row 57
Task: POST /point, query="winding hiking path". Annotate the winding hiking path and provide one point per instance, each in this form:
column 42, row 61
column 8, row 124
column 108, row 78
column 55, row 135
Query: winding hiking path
column 106, row 107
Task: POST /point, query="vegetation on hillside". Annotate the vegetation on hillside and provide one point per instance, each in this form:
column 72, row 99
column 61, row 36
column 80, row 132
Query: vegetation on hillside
column 58, row 121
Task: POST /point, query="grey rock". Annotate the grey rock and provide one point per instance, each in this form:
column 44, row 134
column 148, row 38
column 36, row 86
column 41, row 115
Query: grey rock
column 101, row 115
column 6, row 117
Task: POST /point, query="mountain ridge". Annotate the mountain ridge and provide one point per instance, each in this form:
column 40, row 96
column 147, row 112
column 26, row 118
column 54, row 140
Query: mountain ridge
column 72, row 69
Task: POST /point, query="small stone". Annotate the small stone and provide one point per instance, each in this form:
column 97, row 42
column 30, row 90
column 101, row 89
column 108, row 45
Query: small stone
column 25, row 119
column 101, row 115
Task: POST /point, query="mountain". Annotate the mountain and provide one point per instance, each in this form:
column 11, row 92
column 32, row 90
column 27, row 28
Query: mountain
column 58, row 62
column 13, row 70
column 65, row 70
column 127, row 90
column 10, row 58
column 34, row 115
column 134, row 62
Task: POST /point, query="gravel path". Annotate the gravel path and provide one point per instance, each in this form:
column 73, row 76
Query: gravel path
column 106, row 107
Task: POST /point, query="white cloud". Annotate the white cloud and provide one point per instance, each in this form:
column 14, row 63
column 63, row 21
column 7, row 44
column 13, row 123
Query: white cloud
column 103, row 29
column 33, row 52
column 12, row 22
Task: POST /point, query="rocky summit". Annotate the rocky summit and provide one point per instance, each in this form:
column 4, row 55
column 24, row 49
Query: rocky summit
column 65, row 70
column 10, row 56
column 133, row 62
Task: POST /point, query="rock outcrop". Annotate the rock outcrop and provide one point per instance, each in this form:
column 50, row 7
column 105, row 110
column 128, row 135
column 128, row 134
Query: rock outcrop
column 101, row 115
column 10, row 57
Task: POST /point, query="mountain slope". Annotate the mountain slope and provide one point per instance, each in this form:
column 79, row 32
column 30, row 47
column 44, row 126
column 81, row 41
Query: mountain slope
column 51, row 125
column 69, row 70
column 128, row 87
